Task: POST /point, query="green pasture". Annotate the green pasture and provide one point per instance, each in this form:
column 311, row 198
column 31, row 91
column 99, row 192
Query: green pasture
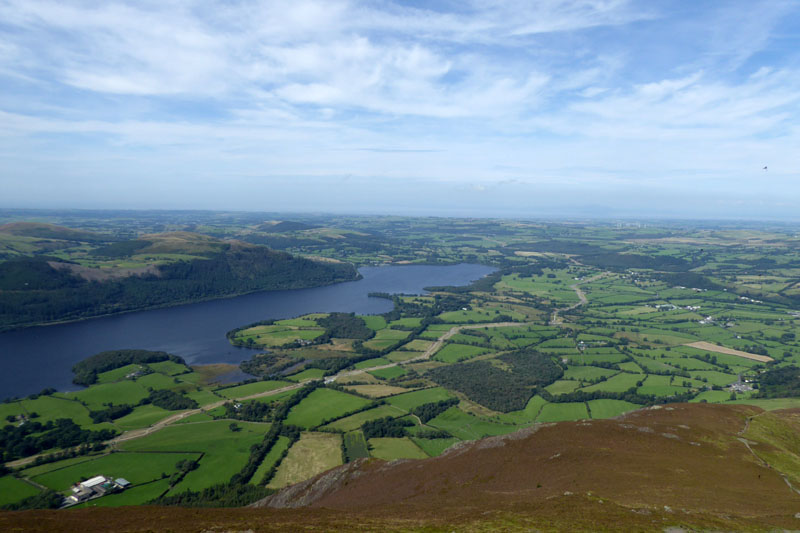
column 374, row 322
column 13, row 490
column 203, row 396
column 452, row 353
column 410, row 400
column 271, row 459
column 52, row 408
column 118, row 373
column 369, row 363
column 249, row 389
column 390, row 449
column 135, row 467
column 142, row 416
column 158, row 381
column 406, row 322
column 619, row 383
column 434, row 447
column 225, row 452
column 169, row 368
column 524, row 416
column 610, row 408
column 323, row 404
column 587, row 373
column 138, row 495
column 98, row 396
column 468, row 427
column 562, row 387
column 355, row 445
column 311, row 373
column 389, row 373
column 557, row 412
column 355, row 421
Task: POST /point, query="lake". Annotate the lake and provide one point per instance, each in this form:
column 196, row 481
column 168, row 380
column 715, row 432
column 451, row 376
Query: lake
column 34, row 358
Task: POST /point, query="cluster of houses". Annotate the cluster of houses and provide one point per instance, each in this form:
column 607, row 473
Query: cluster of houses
column 95, row 488
column 741, row 386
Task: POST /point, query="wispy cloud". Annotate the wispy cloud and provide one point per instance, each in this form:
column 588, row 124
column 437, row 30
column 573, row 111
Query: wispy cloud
column 577, row 92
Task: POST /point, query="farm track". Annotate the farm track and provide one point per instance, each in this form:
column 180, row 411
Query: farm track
column 556, row 320
column 760, row 459
column 161, row 424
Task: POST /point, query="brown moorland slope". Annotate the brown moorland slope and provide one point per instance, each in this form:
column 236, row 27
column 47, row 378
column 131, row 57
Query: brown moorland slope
column 690, row 466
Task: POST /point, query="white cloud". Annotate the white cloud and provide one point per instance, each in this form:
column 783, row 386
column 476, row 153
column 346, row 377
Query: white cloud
column 553, row 91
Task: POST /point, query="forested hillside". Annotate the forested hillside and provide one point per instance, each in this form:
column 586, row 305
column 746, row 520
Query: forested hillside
column 168, row 269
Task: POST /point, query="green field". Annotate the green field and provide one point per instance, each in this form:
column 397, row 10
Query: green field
column 118, row 373
column 251, row 388
column 271, row 459
column 355, row 421
column 410, row 400
column 434, row 447
column 369, row 363
column 374, row 322
column 138, row 495
column 170, row 368
column 96, row 396
column 53, row 408
column 556, row 412
column 311, row 373
column 468, row 427
column 158, row 381
column 390, row 449
column 135, row 467
column 452, row 353
column 525, row 416
column 355, row 444
column 13, row 490
column 321, row 405
column 610, row 408
column 389, row 373
column 225, row 452
column 142, row 416
column 619, row 383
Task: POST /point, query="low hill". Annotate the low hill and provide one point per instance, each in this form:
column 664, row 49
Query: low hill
column 675, row 468
column 50, row 231
column 184, row 267
column 174, row 242
column 285, row 226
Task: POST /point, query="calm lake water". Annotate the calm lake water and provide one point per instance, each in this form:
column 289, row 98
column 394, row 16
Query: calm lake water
column 35, row 358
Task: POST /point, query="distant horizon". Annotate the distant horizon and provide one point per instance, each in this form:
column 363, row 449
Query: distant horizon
column 567, row 218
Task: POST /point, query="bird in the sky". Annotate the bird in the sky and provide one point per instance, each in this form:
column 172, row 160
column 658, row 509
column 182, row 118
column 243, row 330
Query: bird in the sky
column 765, row 168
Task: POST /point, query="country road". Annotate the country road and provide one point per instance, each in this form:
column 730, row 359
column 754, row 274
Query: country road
column 556, row 320
column 161, row 424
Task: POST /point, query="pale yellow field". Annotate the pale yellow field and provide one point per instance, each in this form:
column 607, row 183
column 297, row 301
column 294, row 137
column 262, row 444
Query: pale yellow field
column 702, row 345
column 378, row 391
column 313, row 454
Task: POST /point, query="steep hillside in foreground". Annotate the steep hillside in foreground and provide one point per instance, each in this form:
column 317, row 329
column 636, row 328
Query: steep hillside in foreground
column 680, row 466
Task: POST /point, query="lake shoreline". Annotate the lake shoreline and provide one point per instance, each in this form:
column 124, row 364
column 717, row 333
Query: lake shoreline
column 9, row 329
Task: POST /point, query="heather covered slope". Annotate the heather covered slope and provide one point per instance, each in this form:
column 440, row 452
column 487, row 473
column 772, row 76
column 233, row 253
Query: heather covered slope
column 690, row 458
column 679, row 466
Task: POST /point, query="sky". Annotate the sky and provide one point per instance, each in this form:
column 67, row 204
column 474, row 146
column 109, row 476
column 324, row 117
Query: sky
column 604, row 108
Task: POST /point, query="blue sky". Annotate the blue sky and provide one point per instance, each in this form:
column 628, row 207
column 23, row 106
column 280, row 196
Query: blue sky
column 524, row 108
